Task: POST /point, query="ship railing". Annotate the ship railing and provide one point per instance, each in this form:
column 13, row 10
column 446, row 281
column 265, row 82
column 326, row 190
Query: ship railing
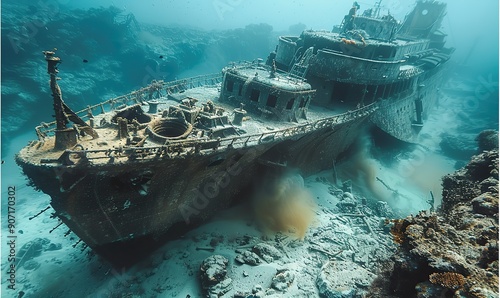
column 205, row 146
column 155, row 90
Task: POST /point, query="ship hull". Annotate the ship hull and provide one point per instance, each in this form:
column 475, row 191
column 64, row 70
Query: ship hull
column 399, row 117
column 118, row 209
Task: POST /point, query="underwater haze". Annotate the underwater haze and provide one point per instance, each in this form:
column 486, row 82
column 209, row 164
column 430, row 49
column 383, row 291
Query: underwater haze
column 469, row 25
column 112, row 47
column 213, row 33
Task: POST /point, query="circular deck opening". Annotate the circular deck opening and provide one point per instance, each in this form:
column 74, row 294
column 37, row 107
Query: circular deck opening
column 169, row 129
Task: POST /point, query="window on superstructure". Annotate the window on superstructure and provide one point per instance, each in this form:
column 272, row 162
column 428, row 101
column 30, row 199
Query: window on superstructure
column 302, row 102
column 229, row 86
column 290, row 103
column 240, row 90
column 272, row 100
column 254, row 96
column 384, row 52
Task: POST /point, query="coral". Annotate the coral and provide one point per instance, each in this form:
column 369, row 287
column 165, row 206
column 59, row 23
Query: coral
column 470, row 182
column 482, row 166
column 485, row 204
column 398, row 230
column 453, row 252
column 449, row 280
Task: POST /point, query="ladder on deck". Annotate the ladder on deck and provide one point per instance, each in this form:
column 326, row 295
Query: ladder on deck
column 299, row 69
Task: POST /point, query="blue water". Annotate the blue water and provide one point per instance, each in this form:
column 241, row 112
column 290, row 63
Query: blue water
column 110, row 51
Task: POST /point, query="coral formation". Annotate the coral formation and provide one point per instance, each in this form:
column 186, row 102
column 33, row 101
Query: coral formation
column 450, row 280
column 453, row 252
column 398, row 229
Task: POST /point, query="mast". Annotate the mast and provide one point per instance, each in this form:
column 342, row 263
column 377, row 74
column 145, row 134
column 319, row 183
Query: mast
column 65, row 137
column 52, row 62
column 377, row 9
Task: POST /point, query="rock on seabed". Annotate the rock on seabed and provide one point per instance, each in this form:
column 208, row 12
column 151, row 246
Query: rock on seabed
column 214, row 276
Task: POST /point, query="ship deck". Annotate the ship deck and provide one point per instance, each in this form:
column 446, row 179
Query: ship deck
column 253, row 130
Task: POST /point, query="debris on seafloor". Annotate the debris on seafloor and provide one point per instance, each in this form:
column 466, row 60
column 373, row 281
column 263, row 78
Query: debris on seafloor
column 214, row 276
column 341, row 254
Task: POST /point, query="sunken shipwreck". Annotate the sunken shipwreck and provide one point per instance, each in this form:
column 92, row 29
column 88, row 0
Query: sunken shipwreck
column 134, row 169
